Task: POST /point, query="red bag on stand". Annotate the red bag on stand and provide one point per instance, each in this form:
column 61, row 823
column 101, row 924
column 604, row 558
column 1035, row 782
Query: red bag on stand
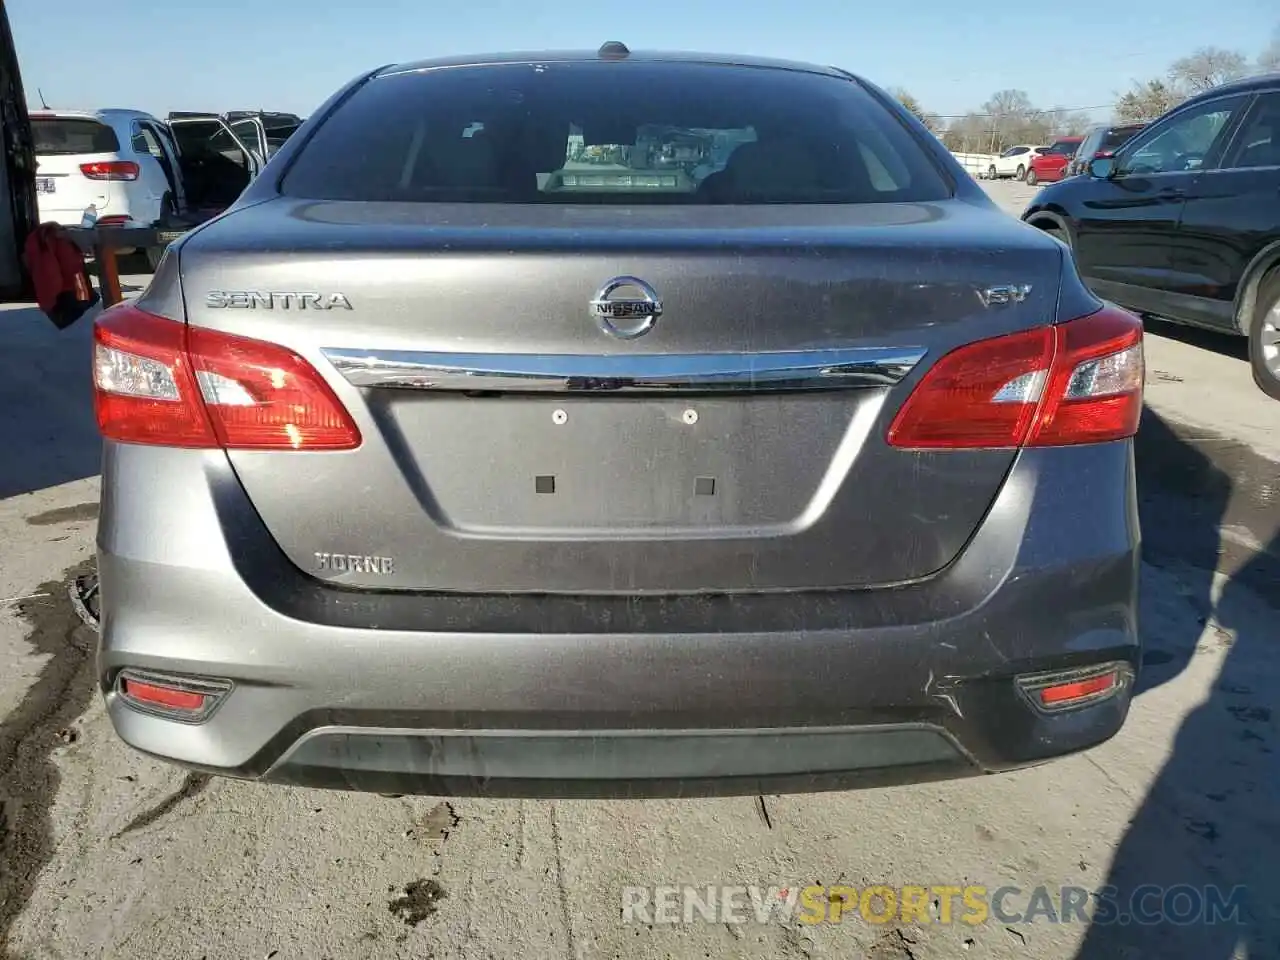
column 63, row 288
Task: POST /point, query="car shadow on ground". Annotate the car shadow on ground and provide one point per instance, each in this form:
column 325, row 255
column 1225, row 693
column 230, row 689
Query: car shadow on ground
column 1226, row 344
column 47, row 425
column 1193, row 876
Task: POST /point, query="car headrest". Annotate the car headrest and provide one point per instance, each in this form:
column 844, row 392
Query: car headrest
column 772, row 166
column 459, row 162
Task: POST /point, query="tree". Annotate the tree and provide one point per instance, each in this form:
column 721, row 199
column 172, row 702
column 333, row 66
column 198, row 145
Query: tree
column 1012, row 118
column 1070, row 123
column 930, row 120
column 1146, row 101
column 1207, row 68
column 969, row 134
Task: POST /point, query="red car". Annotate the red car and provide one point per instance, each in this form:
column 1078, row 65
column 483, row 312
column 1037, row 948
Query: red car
column 1051, row 164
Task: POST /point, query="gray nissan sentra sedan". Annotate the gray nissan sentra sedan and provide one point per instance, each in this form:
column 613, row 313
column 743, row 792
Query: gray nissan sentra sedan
column 616, row 424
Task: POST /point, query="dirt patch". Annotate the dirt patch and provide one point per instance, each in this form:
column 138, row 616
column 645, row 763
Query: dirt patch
column 434, row 825
column 72, row 514
column 421, row 899
column 894, row 945
column 29, row 735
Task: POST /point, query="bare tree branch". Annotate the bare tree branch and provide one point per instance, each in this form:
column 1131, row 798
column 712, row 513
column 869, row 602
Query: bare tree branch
column 1207, row 68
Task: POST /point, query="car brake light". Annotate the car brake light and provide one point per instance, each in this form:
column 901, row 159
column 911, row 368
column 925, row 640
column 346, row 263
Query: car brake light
column 158, row 381
column 115, row 220
column 1074, row 382
column 110, row 170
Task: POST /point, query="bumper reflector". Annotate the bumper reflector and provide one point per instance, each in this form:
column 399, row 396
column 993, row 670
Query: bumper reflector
column 1064, row 689
column 180, row 698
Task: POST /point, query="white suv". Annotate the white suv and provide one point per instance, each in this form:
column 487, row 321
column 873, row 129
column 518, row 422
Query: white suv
column 125, row 168
column 119, row 162
column 1014, row 162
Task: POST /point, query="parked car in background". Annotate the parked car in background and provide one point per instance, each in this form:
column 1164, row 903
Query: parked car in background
column 1014, row 162
column 110, row 167
column 263, row 132
column 1101, row 141
column 1051, row 163
column 217, row 163
column 1184, row 221
column 808, row 517
column 125, row 168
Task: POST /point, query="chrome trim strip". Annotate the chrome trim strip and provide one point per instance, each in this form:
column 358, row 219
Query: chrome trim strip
column 835, row 369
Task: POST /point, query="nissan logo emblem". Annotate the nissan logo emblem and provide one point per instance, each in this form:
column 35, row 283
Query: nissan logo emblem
column 626, row 308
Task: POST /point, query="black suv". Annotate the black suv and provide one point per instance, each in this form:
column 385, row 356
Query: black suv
column 1101, row 141
column 1184, row 221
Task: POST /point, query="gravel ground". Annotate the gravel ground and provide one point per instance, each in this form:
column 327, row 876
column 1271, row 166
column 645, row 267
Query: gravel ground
column 108, row 853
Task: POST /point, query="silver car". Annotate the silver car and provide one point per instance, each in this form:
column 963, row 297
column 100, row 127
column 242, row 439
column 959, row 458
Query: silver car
column 616, row 424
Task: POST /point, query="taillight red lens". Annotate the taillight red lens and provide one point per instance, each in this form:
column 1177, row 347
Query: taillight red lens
column 110, row 170
column 980, row 395
column 1076, row 382
column 156, row 381
column 1095, row 390
column 144, row 390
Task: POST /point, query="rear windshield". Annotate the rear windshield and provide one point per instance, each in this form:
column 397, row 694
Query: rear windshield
column 1116, row 137
column 67, row 135
column 1068, row 147
column 622, row 133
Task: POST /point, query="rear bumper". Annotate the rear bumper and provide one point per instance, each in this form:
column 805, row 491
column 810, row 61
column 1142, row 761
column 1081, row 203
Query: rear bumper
column 561, row 696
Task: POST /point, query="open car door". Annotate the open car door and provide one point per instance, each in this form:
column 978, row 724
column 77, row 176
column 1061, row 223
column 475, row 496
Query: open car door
column 216, row 164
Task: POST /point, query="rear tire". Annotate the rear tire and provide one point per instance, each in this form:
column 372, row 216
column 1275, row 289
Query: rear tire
column 1032, row 179
column 1053, row 230
column 991, row 173
column 1264, row 336
column 1022, row 172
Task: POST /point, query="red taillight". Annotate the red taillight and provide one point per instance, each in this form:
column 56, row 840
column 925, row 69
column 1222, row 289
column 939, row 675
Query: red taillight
column 115, row 220
column 1076, row 382
column 110, row 170
column 156, row 381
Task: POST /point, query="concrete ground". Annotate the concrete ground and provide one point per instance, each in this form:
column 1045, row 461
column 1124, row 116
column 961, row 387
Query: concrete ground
column 107, row 853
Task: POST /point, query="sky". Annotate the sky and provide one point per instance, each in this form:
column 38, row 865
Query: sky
column 291, row 55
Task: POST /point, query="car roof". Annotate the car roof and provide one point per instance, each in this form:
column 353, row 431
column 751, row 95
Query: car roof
column 1263, row 81
column 630, row 56
column 105, row 115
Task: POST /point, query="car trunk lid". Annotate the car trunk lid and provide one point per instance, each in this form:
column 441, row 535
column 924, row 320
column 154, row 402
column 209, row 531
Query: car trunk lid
column 511, row 443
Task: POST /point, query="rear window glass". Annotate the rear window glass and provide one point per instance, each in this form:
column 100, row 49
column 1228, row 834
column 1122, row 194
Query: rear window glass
column 1067, row 147
column 1116, row 137
column 66, row 135
column 621, row 133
